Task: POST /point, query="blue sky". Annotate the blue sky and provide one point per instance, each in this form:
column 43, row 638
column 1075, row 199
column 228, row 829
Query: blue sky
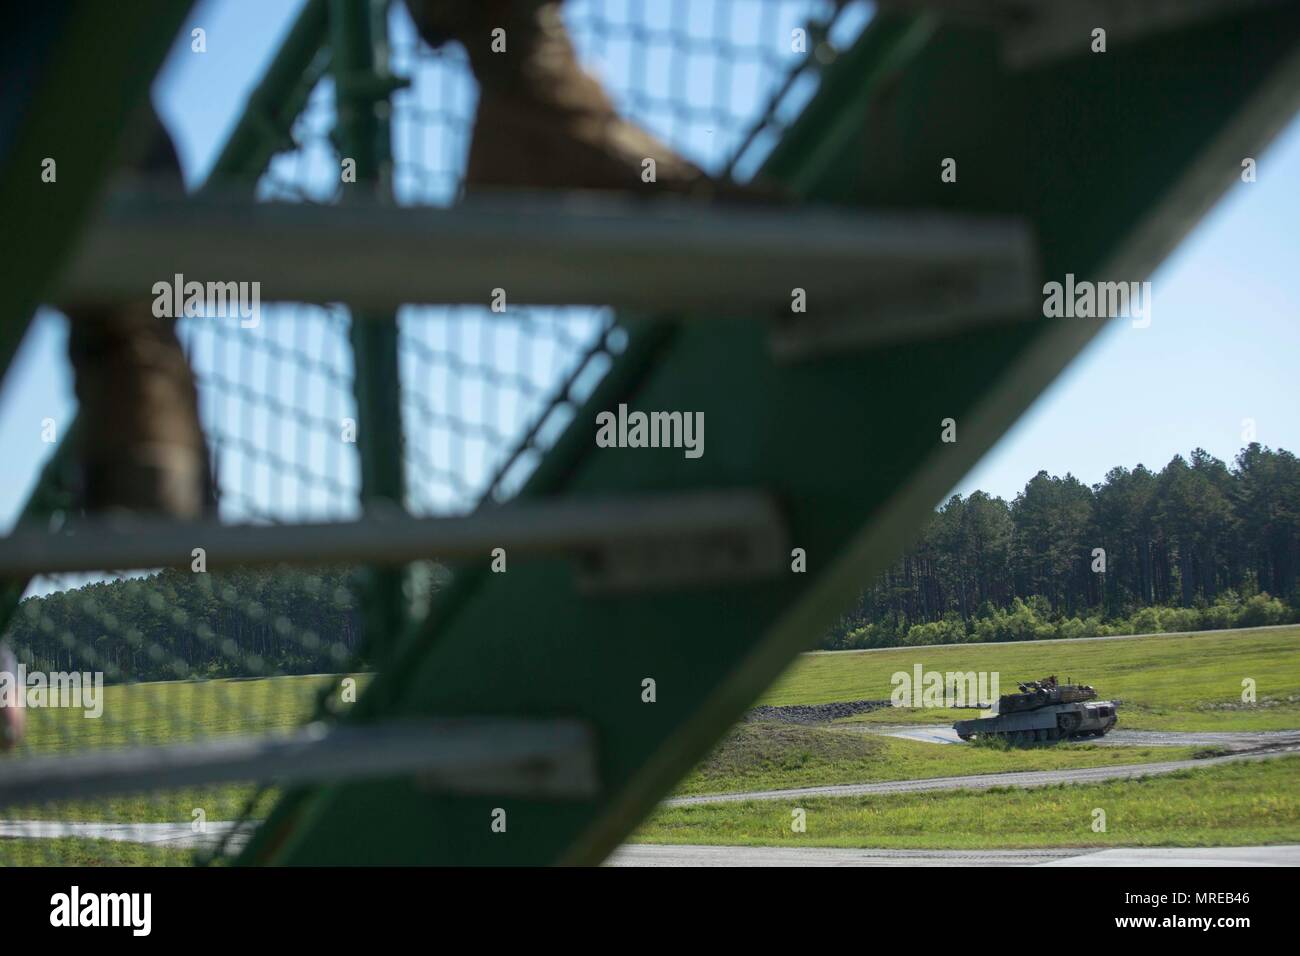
column 1222, row 346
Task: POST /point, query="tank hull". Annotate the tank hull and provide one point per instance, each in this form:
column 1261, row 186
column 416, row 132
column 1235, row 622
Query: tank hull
column 1053, row 722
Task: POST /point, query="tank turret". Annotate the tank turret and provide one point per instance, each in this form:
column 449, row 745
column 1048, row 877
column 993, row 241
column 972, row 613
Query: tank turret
column 1042, row 693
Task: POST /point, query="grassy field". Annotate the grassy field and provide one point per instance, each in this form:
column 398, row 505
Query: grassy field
column 771, row 756
column 1184, row 682
column 154, row 713
column 173, row 711
column 77, row 851
column 1167, row 682
column 1224, row 805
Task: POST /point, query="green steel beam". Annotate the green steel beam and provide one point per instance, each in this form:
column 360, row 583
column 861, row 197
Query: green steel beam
column 76, row 72
column 1112, row 157
column 264, row 126
column 358, row 38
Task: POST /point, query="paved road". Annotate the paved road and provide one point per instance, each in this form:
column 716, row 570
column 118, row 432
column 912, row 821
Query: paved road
column 983, row 781
column 926, row 733
column 182, row 836
column 176, row 835
column 1188, row 856
column 646, row 855
column 1229, row 740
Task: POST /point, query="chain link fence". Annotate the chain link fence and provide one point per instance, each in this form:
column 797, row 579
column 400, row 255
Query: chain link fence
column 166, row 658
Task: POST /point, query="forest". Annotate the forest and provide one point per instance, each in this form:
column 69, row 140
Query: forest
column 1199, row 544
column 175, row 625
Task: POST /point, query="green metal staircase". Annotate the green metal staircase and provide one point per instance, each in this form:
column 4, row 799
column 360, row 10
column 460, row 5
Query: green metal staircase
column 1109, row 158
column 829, row 423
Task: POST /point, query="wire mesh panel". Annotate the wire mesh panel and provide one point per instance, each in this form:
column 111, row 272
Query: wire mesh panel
column 718, row 80
column 165, row 658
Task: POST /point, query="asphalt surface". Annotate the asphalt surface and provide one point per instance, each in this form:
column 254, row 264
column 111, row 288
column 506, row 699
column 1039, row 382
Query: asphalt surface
column 183, row 836
column 177, row 835
column 648, row 855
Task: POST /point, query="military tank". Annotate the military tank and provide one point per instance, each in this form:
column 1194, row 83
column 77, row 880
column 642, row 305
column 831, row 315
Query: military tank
column 1043, row 710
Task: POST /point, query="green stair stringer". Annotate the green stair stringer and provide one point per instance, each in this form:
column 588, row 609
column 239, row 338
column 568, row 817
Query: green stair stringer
column 1111, row 157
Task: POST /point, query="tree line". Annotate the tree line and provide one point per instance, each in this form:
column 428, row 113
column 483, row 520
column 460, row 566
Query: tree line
column 1197, row 535
column 176, row 625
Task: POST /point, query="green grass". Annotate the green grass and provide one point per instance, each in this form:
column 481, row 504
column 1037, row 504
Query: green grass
column 1226, row 805
column 173, row 711
column 80, row 851
column 772, row 756
column 162, row 713
column 1167, row 682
